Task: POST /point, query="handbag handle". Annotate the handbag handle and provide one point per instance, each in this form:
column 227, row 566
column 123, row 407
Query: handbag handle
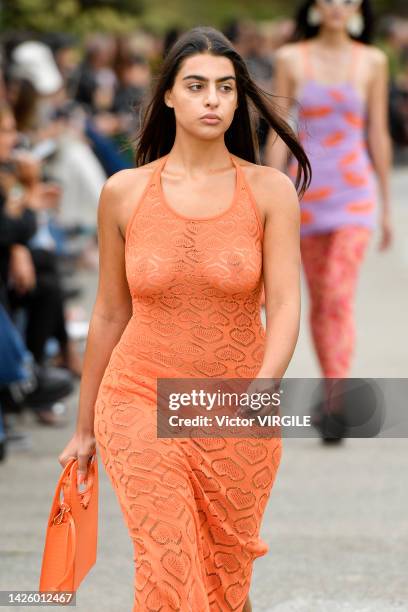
column 64, row 481
column 71, row 560
column 60, row 482
column 85, row 495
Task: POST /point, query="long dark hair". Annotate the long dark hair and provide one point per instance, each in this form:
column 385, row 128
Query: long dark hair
column 304, row 30
column 158, row 129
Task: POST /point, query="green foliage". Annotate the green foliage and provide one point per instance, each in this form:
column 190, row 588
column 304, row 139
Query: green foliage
column 80, row 16
column 105, row 19
column 76, row 16
column 42, row 15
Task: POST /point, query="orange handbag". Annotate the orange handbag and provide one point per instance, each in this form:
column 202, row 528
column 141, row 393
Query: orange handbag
column 72, row 529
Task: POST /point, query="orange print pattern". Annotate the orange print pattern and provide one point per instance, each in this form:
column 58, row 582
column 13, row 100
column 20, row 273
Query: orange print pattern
column 354, row 179
column 313, row 195
column 315, row 112
column 334, row 139
column 350, row 158
column 338, row 96
column 331, row 262
column 354, row 120
column 360, row 207
column 306, row 217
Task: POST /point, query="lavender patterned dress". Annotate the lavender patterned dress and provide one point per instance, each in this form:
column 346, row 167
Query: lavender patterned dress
column 343, row 190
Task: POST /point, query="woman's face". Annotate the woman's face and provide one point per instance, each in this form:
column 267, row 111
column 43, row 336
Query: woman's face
column 8, row 136
column 204, row 84
column 335, row 14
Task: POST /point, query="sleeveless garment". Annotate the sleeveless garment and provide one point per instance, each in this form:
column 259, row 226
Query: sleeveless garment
column 332, row 131
column 193, row 507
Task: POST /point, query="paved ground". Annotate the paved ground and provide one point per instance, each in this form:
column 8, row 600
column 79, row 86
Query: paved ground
column 336, row 521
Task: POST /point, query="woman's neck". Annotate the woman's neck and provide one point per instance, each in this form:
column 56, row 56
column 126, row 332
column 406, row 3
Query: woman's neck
column 194, row 154
column 333, row 38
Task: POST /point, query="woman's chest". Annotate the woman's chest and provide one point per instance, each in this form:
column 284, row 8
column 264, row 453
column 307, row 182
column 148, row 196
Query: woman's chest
column 226, row 254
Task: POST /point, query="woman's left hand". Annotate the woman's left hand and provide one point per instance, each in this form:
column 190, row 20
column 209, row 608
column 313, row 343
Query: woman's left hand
column 386, row 233
column 262, row 383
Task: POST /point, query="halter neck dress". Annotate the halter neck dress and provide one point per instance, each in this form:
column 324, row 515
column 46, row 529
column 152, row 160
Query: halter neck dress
column 332, row 131
column 193, row 507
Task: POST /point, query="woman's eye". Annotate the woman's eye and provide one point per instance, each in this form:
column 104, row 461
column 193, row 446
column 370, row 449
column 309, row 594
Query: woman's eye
column 198, row 85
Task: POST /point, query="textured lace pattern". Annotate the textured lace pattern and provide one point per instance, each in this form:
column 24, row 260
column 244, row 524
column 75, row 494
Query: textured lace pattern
column 193, row 507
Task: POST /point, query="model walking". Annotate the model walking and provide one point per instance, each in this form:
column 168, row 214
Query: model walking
column 182, row 242
column 341, row 86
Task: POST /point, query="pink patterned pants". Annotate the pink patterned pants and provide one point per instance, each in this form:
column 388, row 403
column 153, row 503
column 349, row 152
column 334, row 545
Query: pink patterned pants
column 331, row 262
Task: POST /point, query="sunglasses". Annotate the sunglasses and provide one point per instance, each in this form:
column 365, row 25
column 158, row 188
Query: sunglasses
column 350, row 3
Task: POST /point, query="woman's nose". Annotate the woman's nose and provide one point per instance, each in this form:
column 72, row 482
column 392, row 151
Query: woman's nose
column 212, row 96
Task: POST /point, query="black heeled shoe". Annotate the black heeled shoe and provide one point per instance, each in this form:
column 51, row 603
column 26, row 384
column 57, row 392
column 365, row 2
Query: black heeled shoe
column 332, row 426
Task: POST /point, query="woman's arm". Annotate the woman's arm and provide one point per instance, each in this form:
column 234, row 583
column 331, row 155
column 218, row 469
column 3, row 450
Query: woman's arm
column 113, row 305
column 378, row 138
column 281, row 272
column 276, row 153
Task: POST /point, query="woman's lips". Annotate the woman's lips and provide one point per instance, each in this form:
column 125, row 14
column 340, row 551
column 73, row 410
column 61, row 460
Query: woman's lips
column 210, row 120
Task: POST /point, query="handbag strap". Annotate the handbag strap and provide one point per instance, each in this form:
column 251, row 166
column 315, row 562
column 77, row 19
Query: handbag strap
column 60, row 486
column 70, row 563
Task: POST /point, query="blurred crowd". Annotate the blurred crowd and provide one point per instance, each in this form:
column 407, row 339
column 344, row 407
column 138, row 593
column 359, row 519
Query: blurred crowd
column 394, row 37
column 70, row 111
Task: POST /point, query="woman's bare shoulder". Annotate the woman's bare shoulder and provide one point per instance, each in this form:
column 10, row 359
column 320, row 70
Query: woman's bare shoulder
column 288, row 61
column 122, row 191
column 130, row 178
column 269, row 187
column 376, row 56
column 263, row 179
column 373, row 67
column 288, row 52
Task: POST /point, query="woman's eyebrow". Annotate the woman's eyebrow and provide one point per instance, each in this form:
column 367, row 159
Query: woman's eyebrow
column 197, row 77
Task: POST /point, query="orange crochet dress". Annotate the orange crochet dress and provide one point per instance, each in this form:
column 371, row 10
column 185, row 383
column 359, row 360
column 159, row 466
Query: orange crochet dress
column 193, row 506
